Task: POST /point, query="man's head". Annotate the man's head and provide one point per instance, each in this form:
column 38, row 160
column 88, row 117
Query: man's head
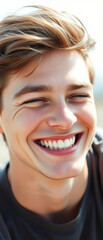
column 24, row 37
column 46, row 80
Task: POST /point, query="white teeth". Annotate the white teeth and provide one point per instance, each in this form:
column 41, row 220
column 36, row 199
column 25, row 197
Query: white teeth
column 55, row 145
column 42, row 143
column 50, row 144
column 60, row 144
column 67, row 143
column 46, row 144
column 73, row 140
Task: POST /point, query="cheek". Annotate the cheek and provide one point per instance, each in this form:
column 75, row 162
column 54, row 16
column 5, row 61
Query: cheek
column 88, row 116
column 26, row 120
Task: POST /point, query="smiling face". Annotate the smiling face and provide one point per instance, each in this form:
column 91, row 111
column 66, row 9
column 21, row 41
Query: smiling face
column 49, row 116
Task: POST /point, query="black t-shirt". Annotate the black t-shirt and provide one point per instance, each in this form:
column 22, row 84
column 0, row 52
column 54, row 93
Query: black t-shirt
column 18, row 223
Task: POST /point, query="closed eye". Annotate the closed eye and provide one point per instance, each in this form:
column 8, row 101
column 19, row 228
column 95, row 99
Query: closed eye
column 79, row 95
column 76, row 98
column 33, row 100
column 36, row 102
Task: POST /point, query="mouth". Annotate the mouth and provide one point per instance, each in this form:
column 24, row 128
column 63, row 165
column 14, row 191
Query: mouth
column 62, row 144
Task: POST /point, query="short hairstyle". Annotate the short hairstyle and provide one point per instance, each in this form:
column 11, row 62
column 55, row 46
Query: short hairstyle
column 26, row 36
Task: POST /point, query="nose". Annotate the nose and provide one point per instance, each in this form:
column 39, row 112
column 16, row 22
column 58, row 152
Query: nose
column 62, row 117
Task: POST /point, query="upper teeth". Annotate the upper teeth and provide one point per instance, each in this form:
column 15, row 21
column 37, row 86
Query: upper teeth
column 59, row 144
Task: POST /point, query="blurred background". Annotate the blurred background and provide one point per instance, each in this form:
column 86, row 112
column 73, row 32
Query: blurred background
column 91, row 14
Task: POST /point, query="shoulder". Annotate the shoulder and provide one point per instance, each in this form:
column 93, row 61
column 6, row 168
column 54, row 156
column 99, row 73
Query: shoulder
column 96, row 149
column 4, row 234
column 2, row 172
column 96, row 157
column 98, row 136
column 97, row 145
column 3, row 184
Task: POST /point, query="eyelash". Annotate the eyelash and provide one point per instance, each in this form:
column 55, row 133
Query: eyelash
column 78, row 97
column 35, row 100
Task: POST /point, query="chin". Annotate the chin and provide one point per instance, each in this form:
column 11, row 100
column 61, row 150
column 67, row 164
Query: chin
column 62, row 173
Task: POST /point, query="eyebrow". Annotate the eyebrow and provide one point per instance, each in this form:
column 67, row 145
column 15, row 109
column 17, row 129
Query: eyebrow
column 30, row 89
column 78, row 86
column 43, row 88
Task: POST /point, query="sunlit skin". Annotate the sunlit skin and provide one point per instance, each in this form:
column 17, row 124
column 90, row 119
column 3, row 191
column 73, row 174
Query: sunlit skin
column 54, row 102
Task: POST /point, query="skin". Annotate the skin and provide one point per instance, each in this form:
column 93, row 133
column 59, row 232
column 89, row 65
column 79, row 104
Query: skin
column 54, row 180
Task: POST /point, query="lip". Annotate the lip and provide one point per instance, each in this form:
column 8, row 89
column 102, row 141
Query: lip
column 61, row 151
column 53, row 138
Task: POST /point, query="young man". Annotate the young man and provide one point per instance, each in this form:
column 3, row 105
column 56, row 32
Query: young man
column 53, row 186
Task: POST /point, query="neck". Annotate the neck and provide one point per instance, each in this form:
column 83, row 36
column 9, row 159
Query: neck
column 49, row 198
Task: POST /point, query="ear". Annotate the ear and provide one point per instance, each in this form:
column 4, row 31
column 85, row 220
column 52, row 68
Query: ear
column 1, row 125
column 1, row 130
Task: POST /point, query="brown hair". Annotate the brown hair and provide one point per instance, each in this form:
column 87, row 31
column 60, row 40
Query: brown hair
column 22, row 37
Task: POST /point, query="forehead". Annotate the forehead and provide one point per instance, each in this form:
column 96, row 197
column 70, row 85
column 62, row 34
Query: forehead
column 56, row 68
